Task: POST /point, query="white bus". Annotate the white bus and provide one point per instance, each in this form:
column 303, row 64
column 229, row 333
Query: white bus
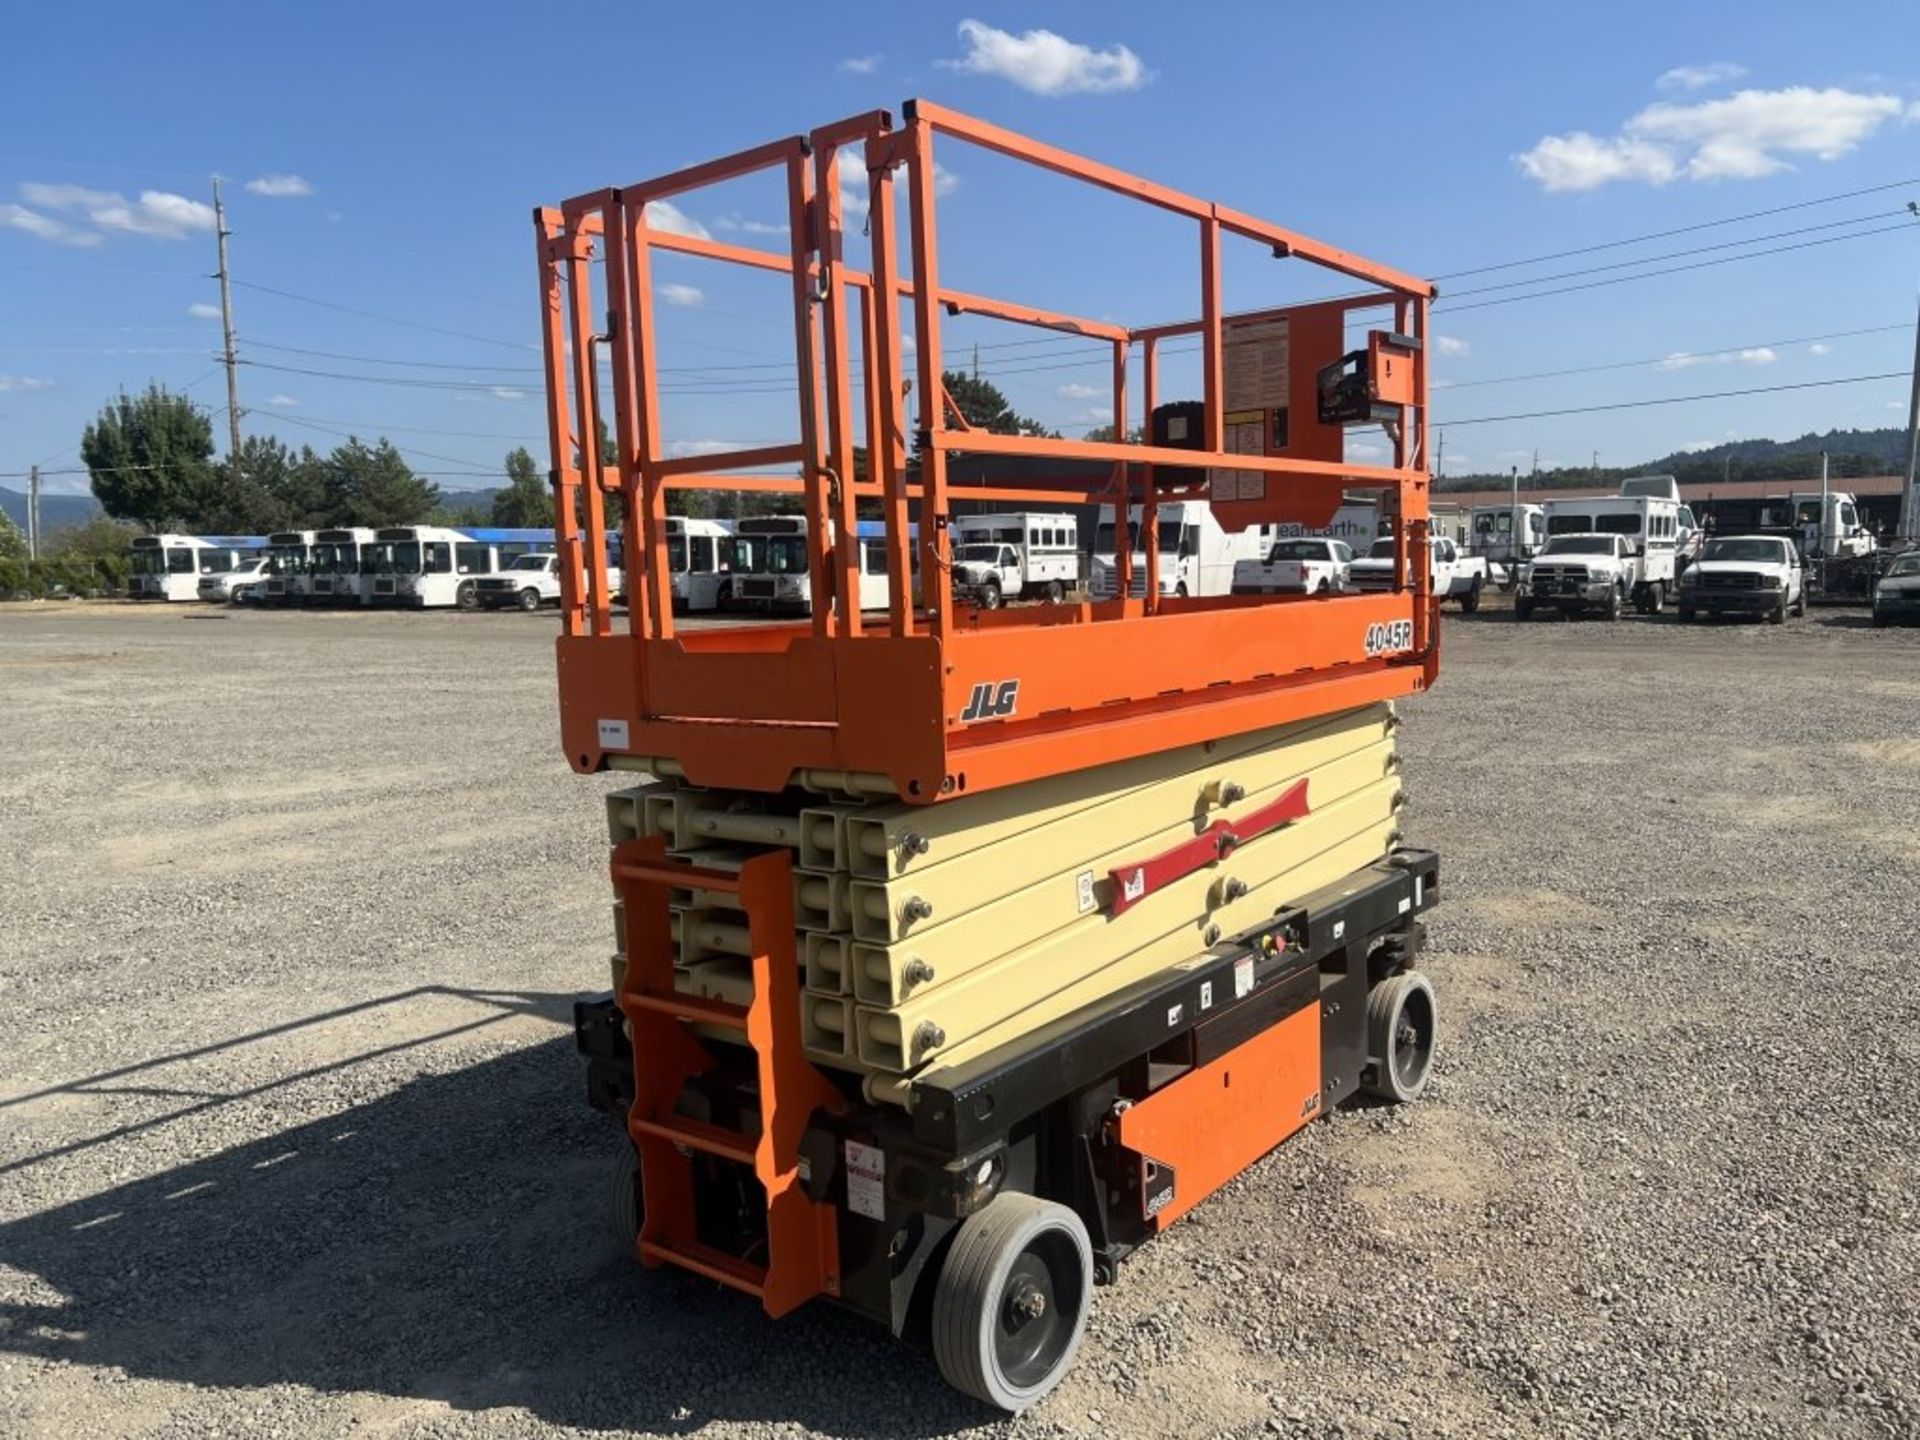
column 767, row 557
column 169, row 567
column 336, row 574
column 1652, row 526
column 432, row 567
column 700, row 561
column 289, row 563
column 1196, row 556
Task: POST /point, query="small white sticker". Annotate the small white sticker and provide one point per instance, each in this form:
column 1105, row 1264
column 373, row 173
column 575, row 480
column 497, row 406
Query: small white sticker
column 1243, row 977
column 1174, row 1012
column 1135, row 885
column 1206, row 994
column 613, row 735
column 1339, row 929
column 1405, row 904
column 1417, row 880
column 866, row 1180
column 1085, row 883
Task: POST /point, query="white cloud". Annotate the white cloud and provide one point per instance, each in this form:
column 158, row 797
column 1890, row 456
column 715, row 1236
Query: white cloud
column 1742, row 136
column 157, row 213
column 1699, row 77
column 24, row 382
column 1045, row 63
column 1364, row 450
column 1819, row 347
column 1076, row 392
column 745, row 226
column 1448, row 345
column 282, row 402
column 855, row 184
column 506, row 392
column 1687, row 359
column 859, row 65
column 682, row 294
column 665, row 215
column 279, row 187
column 202, row 310
column 682, row 449
column 45, row 227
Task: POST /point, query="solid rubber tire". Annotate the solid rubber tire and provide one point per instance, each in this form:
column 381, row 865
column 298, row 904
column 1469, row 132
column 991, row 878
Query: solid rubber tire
column 968, row 1294
column 1385, row 1004
column 626, row 1199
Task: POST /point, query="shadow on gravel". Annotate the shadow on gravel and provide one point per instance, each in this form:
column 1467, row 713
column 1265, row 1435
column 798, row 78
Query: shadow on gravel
column 450, row 1241
column 1844, row 620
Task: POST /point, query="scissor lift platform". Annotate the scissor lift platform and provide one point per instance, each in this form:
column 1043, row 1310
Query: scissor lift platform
column 935, row 698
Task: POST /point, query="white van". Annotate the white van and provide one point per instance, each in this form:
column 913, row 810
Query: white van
column 1196, row 556
column 1651, row 524
column 1508, row 534
column 1025, row 556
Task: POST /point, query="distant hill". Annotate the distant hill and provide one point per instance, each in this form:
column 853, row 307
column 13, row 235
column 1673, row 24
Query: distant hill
column 57, row 512
column 1850, row 454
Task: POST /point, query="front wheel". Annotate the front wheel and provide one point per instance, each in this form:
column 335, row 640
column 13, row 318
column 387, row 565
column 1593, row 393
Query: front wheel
column 1800, row 605
column 1011, row 1303
column 1778, row 615
column 1615, row 602
column 466, row 597
column 1687, row 613
column 990, row 595
column 1522, row 607
column 529, row 599
column 1400, row 1034
column 626, row 1200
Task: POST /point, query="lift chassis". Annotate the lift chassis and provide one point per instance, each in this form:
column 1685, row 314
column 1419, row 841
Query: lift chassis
column 1127, row 1113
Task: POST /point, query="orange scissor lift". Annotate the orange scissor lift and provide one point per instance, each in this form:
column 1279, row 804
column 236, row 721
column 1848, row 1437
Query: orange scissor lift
column 977, row 1204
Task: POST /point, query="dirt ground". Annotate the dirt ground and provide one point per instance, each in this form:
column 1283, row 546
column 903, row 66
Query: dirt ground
column 293, row 909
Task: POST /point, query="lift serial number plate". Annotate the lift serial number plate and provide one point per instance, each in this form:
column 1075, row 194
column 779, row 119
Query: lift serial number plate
column 1389, row 638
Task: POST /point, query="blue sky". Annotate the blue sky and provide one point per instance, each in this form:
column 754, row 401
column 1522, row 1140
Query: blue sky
column 386, row 159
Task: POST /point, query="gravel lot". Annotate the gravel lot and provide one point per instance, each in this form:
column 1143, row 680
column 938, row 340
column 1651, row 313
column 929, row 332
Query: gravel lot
column 293, row 909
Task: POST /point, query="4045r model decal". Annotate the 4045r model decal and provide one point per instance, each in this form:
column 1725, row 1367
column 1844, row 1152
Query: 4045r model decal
column 1389, row 637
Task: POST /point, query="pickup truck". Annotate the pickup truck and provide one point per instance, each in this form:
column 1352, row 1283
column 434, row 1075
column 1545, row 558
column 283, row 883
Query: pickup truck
column 1456, row 576
column 989, row 573
column 1579, row 572
column 1296, row 567
column 1745, row 575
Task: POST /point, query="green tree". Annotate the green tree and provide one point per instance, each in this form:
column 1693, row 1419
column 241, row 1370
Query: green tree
column 13, row 545
column 100, row 548
column 150, row 457
column 526, row 502
column 371, row 485
column 987, row 409
column 254, row 495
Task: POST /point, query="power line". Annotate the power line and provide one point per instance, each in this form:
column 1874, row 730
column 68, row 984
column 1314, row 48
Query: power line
column 1687, row 355
column 1676, row 254
column 1678, row 230
column 1676, row 269
column 1670, row 400
column 383, row 319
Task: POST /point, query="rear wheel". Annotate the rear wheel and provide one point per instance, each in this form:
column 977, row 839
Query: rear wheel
column 1011, row 1302
column 529, row 599
column 1800, row 605
column 1400, row 1035
column 1470, row 602
column 626, row 1199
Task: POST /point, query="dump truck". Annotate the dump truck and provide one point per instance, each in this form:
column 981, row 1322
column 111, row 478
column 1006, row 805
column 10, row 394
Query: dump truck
column 959, row 952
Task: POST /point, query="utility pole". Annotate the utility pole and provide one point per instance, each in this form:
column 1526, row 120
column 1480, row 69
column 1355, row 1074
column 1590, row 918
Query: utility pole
column 1440, row 459
column 1909, row 502
column 226, row 325
column 33, row 512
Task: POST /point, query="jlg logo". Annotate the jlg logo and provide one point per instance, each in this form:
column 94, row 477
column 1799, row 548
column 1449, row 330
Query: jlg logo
column 990, row 701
